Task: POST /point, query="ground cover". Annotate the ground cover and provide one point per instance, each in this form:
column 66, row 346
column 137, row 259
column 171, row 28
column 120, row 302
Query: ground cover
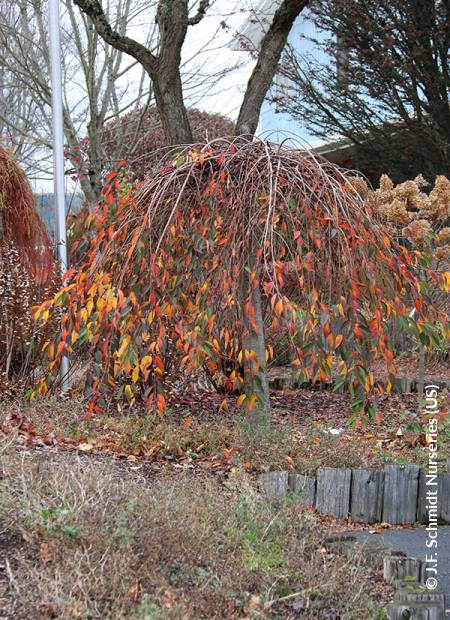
column 81, row 538
column 309, row 429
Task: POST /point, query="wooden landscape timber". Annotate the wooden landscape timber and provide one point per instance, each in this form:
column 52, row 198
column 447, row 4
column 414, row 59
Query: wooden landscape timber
column 304, row 487
column 333, row 491
column 401, row 487
column 395, row 495
column 367, row 495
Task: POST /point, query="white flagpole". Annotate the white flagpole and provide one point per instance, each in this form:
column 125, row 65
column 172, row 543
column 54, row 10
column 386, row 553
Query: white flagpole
column 58, row 151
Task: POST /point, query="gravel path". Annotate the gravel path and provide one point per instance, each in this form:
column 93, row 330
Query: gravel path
column 412, row 542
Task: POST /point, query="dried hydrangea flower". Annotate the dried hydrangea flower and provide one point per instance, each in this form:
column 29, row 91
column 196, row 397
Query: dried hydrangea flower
column 444, row 235
column 442, row 253
column 417, row 231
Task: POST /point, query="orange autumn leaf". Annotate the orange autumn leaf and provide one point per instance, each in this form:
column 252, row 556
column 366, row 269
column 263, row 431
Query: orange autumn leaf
column 279, row 307
column 229, row 453
column 240, row 399
column 339, row 339
column 160, row 403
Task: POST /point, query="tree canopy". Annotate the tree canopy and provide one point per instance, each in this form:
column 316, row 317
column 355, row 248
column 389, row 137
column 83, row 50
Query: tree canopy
column 380, row 78
column 161, row 293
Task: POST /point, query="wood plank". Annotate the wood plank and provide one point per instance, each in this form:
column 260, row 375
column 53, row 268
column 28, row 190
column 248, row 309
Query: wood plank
column 274, row 485
column 401, row 487
column 421, row 596
column 399, row 568
column 367, row 495
column 443, row 498
column 304, row 487
column 415, row 611
column 422, row 514
column 333, row 491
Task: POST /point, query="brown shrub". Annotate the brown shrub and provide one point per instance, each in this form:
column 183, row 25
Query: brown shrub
column 21, row 338
column 150, row 141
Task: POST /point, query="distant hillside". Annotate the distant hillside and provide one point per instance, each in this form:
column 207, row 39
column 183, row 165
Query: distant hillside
column 46, row 207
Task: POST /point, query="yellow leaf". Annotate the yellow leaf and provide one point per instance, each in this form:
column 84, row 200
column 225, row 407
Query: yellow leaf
column 146, row 361
column 75, row 336
column 224, row 406
column 241, row 399
column 129, row 391
column 446, row 281
column 124, row 345
column 135, row 375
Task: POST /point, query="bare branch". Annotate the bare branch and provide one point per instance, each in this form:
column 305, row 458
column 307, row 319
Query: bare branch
column 94, row 10
column 201, row 12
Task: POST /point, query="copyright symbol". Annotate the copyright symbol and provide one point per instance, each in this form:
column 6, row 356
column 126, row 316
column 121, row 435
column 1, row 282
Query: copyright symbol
column 431, row 583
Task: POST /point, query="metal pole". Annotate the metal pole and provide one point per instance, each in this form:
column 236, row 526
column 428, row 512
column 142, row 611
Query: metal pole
column 58, row 152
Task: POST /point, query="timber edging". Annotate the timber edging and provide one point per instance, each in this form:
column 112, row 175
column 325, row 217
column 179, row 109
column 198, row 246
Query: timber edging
column 397, row 494
column 412, row 599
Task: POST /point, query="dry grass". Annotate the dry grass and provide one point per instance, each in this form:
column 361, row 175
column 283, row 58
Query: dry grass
column 100, row 546
column 179, row 436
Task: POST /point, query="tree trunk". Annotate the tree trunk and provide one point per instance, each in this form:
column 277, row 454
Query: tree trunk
column 269, row 56
column 421, row 378
column 172, row 111
column 95, row 163
column 256, row 384
column 259, row 83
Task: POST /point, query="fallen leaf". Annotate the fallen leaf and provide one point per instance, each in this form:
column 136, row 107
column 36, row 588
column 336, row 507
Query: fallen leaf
column 44, row 553
column 288, row 460
column 133, row 591
column 229, row 453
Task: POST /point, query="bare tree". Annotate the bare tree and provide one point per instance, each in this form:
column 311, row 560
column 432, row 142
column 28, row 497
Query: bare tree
column 94, row 88
column 163, row 67
column 19, row 115
column 385, row 85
